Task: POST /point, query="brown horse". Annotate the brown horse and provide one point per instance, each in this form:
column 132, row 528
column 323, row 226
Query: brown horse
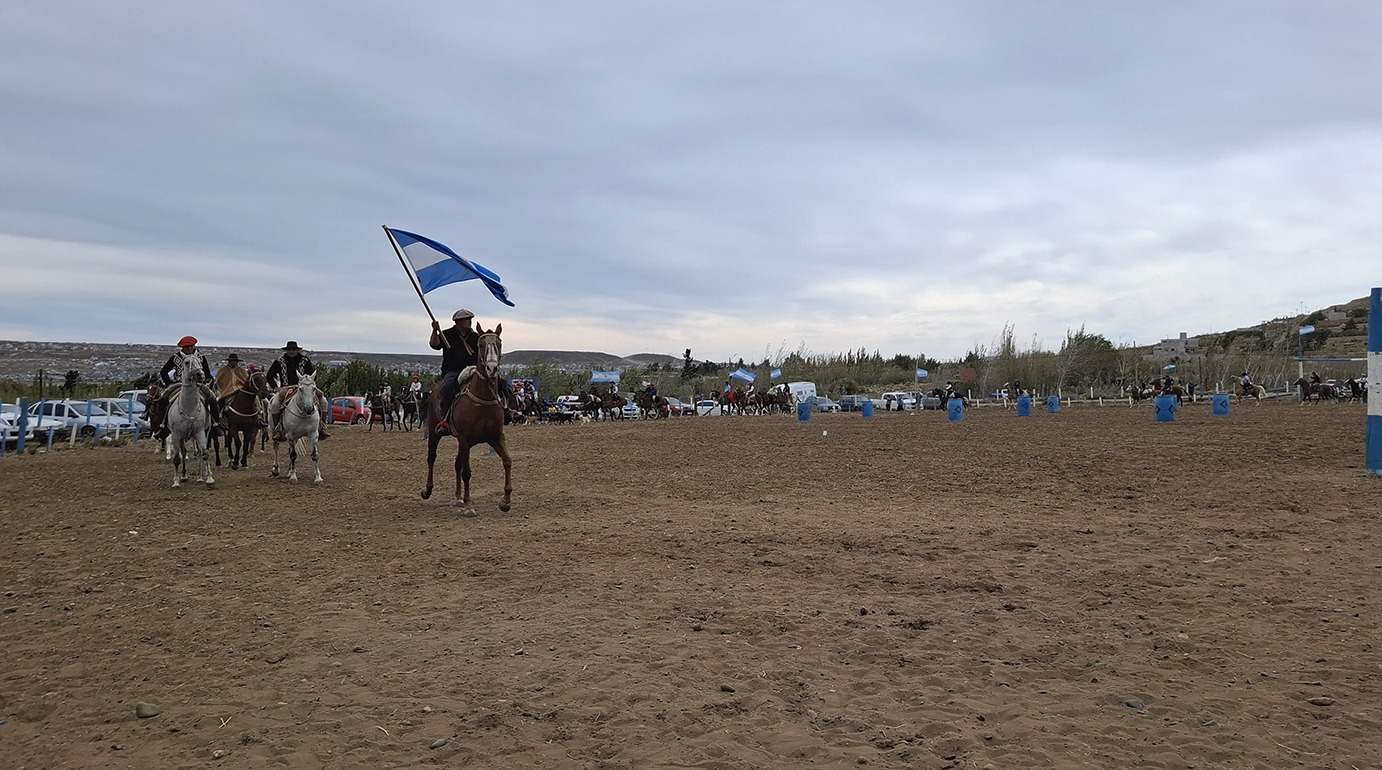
column 381, row 410
column 1314, row 392
column 652, row 406
column 1255, row 392
column 476, row 417
column 1137, row 394
column 242, row 413
column 408, row 406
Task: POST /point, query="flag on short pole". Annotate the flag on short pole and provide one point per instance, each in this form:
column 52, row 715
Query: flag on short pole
column 1304, row 330
column 921, row 373
column 436, row 265
column 743, row 374
column 774, row 374
column 599, row 376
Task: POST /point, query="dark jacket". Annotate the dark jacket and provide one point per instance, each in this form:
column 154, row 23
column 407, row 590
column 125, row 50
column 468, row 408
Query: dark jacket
column 284, row 371
column 458, row 352
column 169, row 373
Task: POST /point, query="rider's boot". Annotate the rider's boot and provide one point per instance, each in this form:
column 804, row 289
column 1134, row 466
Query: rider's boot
column 276, row 428
column 322, row 435
column 443, row 427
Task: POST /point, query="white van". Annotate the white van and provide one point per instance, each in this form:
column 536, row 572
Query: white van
column 802, row 392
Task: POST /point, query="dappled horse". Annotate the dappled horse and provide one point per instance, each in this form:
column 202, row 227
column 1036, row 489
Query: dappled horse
column 189, row 419
column 476, row 417
column 300, row 418
column 242, row 413
column 1256, row 392
column 1137, row 394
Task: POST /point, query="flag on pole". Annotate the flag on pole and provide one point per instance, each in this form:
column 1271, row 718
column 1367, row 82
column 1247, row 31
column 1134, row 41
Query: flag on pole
column 921, row 373
column 436, row 265
column 599, row 376
column 774, row 374
column 1304, row 330
column 1168, row 367
column 743, row 374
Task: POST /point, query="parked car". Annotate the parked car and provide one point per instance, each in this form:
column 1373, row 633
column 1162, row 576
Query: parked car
column 708, row 407
column 568, row 402
column 350, row 409
column 631, row 409
column 852, row 403
column 141, row 396
column 9, row 428
column 929, row 402
column 898, row 401
column 676, row 407
column 76, row 415
column 824, row 404
column 120, row 407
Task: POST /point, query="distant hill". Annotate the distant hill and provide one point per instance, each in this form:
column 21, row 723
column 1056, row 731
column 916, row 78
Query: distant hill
column 22, row 360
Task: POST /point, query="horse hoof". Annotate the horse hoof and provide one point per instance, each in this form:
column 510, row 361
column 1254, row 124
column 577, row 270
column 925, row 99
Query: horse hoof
column 504, row 507
column 426, row 494
column 469, row 513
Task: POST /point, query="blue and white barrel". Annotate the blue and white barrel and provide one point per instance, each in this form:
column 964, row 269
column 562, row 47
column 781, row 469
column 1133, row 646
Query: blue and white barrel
column 1165, row 408
column 1053, row 404
column 1024, row 406
column 804, row 411
column 955, row 407
column 1220, row 402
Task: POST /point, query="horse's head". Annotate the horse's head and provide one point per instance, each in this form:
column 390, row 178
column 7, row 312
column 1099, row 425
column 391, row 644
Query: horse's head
column 489, row 350
column 307, row 388
column 257, row 383
column 190, row 369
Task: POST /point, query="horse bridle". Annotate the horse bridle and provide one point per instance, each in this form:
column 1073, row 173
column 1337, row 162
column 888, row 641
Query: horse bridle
column 493, row 379
column 245, row 388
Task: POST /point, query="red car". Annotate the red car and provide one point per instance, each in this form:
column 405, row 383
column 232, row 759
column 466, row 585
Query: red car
column 351, row 409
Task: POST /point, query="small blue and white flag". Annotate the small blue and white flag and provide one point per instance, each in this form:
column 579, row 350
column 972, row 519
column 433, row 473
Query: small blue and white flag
column 436, row 265
column 1304, row 330
column 774, row 374
column 599, row 376
column 921, row 373
column 743, row 374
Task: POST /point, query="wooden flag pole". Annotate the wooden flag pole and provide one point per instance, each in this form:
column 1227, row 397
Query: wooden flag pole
column 413, row 280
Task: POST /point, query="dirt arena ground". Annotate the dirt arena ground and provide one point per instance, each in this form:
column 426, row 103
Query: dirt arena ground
column 1091, row 589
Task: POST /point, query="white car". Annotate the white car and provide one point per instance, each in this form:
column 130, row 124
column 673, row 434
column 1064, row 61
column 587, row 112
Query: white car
column 9, row 429
column 631, row 409
column 76, row 415
column 708, row 406
column 898, row 401
column 120, row 407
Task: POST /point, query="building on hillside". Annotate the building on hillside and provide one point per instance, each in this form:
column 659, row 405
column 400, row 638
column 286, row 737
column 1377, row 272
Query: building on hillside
column 1183, row 348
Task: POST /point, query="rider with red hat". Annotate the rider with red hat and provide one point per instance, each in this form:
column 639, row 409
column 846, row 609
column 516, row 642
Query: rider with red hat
column 168, row 375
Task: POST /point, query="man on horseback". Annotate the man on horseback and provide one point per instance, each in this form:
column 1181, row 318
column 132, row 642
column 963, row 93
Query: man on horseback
column 168, row 375
column 230, row 378
column 459, row 346
column 284, row 372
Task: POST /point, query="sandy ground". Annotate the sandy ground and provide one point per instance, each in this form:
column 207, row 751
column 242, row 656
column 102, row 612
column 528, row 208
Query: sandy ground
column 1088, row 589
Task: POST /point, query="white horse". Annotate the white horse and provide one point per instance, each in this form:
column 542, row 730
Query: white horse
column 189, row 419
column 300, row 419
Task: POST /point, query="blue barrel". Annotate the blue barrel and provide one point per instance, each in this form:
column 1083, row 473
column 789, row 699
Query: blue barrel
column 1024, row 406
column 1165, row 408
column 1053, row 404
column 1220, row 401
column 867, row 407
column 955, row 407
column 804, row 411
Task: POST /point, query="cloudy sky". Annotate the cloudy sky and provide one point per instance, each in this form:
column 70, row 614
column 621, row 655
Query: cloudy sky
column 741, row 179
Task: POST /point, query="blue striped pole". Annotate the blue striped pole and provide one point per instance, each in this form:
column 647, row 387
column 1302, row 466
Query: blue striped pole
column 1374, row 452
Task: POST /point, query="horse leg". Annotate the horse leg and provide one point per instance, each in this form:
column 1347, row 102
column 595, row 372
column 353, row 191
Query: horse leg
column 316, row 460
column 292, row 460
column 175, row 456
column 501, row 448
column 206, row 460
column 463, row 479
column 432, row 440
column 274, row 470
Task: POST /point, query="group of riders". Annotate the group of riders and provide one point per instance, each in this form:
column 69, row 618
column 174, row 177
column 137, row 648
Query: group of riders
column 283, row 373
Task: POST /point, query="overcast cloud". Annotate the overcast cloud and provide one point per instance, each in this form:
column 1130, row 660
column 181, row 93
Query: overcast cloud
column 735, row 178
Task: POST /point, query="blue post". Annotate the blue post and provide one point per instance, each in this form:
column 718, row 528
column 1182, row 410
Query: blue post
column 956, row 408
column 23, row 424
column 1374, row 394
column 866, row 408
column 1165, row 408
column 1220, row 401
column 1053, row 404
column 804, row 411
column 1024, row 406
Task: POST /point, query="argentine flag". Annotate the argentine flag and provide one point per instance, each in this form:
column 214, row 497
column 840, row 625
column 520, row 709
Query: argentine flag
column 774, row 374
column 743, row 374
column 436, row 265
